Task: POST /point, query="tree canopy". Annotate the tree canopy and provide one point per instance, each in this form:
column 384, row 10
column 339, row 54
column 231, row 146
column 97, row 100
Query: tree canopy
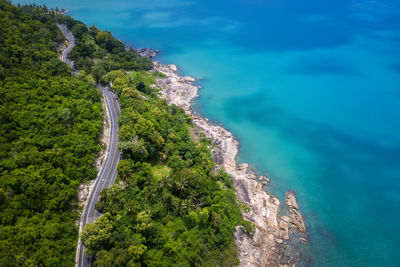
column 49, row 128
column 170, row 205
column 97, row 51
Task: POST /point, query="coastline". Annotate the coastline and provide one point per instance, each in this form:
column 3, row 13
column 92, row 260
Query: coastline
column 278, row 228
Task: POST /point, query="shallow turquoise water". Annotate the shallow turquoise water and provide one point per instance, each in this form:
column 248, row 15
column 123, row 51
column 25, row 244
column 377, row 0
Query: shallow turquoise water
column 311, row 90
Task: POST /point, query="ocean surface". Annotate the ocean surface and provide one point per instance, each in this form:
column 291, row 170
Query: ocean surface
column 310, row 88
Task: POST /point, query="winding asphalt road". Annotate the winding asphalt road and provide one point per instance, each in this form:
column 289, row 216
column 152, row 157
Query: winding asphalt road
column 108, row 171
column 66, row 51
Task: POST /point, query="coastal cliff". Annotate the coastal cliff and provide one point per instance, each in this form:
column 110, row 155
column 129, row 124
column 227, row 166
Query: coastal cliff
column 278, row 228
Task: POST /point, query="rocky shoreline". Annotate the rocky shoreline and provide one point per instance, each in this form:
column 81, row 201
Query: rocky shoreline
column 278, row 229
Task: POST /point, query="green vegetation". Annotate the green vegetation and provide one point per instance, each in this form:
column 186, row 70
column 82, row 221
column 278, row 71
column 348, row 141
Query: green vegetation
column 98, row 52
column 170, row 207
column 49, row 127
column 161, row 171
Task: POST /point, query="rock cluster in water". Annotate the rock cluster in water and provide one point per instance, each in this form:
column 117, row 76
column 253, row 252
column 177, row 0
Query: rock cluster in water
column 273, row 241
column 147, row 52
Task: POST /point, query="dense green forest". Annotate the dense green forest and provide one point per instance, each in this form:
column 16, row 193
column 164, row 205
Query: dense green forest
column 97, row 52
column 49, row 127
column 170, row 206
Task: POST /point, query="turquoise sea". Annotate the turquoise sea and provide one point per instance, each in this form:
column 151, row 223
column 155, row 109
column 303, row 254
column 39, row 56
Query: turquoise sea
column 310, row 88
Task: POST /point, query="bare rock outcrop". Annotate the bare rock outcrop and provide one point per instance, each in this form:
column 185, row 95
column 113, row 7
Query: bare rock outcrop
column 189, row 79
column 274, row 227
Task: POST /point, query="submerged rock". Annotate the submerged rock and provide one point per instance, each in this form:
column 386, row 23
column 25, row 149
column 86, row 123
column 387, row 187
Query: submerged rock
column 264, row 180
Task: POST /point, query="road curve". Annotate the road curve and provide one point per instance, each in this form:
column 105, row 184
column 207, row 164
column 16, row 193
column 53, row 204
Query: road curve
column 108, row 171
column 66, row 51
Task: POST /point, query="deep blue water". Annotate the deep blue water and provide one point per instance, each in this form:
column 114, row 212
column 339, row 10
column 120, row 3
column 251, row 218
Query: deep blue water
column 312, row 91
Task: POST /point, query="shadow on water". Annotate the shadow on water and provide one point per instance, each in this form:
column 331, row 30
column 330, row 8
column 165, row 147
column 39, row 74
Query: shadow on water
column 316, row 66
